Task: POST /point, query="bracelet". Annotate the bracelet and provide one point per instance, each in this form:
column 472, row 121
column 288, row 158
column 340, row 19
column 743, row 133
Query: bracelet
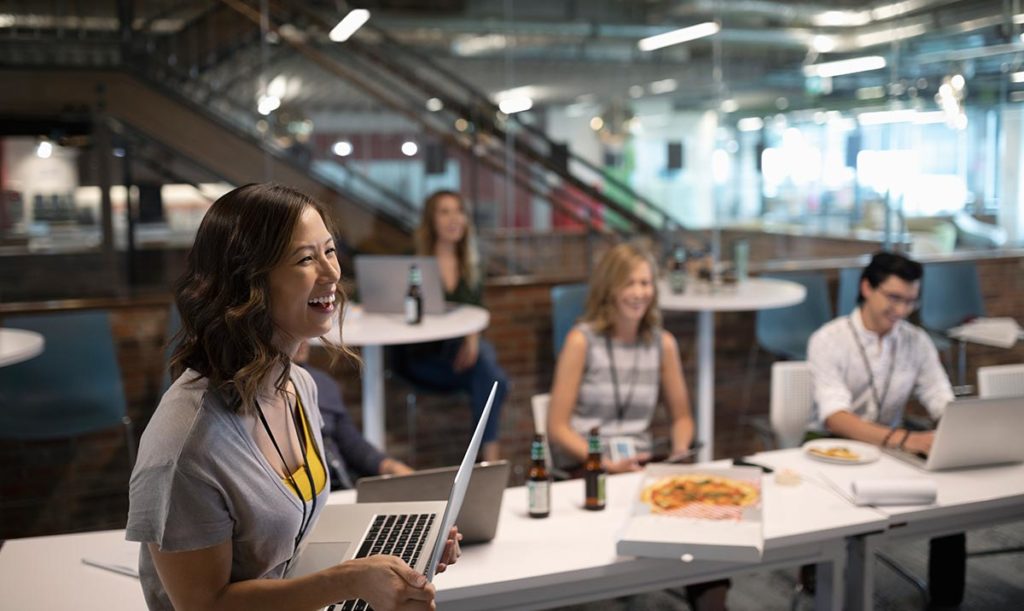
column 906, row 435
column 885, row 440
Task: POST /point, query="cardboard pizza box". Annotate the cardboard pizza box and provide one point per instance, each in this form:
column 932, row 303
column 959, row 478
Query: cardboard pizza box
column 666, row 525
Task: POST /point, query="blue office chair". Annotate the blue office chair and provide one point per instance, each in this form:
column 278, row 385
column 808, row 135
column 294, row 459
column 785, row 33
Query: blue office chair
column 567, row 301
column 74, row 387
column 785, row 331
column 950, row 296
column 849, row 290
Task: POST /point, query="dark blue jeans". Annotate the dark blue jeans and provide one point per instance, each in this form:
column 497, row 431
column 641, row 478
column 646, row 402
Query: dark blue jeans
column 430, row 366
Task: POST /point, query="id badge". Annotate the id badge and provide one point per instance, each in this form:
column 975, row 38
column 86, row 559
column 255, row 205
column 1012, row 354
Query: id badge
column 621, row 448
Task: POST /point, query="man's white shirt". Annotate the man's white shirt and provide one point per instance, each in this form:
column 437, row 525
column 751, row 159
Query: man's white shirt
column 841, row 380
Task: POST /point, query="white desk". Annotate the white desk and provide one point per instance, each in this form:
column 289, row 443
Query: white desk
column 17, row 345
column 531, row 564
column 374, row 331
column 752, row 294
column 967, row 498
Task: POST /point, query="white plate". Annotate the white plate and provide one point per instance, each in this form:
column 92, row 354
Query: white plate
column 865, row 453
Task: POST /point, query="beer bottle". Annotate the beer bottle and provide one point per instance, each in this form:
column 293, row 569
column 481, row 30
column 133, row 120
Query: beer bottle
column 414, row 297
column 538, row 483
column 593, row 473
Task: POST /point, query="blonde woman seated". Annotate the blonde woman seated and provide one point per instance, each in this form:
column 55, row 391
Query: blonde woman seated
column 616, row 364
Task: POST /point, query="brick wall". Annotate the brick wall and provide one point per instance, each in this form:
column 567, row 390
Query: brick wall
column 59, row 486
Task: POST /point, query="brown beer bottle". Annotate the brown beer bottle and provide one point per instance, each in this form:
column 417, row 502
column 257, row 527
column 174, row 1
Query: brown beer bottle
column 414, row 297
column 593, row 473
column 538, row 484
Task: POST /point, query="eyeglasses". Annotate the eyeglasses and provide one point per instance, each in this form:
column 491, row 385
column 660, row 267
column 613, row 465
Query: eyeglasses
column 899, row 300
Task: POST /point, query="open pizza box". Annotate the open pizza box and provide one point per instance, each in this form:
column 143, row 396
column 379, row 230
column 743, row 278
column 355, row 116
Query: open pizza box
column 666, row 521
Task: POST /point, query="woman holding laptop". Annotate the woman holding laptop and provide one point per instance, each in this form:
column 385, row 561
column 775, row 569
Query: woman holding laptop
column 469, row 363
column 230, row 474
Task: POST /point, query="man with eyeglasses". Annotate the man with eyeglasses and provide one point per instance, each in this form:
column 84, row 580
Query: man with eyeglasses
column 864, row 367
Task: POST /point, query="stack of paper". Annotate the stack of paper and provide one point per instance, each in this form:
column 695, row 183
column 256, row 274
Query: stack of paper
column 1001, row 332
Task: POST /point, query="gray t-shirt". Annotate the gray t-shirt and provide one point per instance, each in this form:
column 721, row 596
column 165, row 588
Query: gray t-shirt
column 201, row 480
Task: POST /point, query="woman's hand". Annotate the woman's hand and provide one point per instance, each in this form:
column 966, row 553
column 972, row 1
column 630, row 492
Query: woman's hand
column 452, row 550
column 624, row 465
column 468, row 351
column 388, row 584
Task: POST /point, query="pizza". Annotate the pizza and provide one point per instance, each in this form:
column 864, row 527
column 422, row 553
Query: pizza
column 838, row 452
column 677, row 492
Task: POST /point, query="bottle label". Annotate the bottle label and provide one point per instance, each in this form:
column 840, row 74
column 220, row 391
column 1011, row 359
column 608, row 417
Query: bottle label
column 594, row 483
column 539, row 496
column 412, row 310
column 601, row 477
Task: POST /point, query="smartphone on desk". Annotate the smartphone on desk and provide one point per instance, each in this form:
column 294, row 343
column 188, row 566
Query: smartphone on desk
column 681, row 457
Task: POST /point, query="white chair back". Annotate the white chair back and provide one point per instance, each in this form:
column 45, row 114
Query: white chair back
column 1001, row 381
column 792, row 400
column 540, row 404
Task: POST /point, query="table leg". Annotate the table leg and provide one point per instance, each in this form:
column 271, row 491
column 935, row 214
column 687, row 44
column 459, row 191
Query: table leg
column 373, row 395
column 829, row 579
column 706, row 384
column 860, row 573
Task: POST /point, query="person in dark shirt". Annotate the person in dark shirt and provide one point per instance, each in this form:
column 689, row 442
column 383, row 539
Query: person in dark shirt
column 347, row 453
column 470, row 363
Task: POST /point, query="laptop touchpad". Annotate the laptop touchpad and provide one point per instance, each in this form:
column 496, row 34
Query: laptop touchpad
column 319, row 556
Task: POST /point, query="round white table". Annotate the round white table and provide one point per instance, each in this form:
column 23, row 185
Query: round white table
column 752, row 294
column 374, row 331
column 17, row 345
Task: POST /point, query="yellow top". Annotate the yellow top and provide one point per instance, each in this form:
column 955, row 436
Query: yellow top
column 316, row 468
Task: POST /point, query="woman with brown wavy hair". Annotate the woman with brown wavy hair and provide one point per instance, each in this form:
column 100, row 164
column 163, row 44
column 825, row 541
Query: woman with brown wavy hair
column 468, row 364
column 230, row 474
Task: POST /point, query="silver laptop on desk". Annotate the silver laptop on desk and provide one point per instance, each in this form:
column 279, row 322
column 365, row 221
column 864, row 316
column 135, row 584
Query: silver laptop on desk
column 415, row 532
column 383, row 281
column 478, row 519
column 974, row 433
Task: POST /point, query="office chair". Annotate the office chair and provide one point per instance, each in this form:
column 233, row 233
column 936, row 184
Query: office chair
column 950, row 296
column 74, row 387
column 849, row 290
column 785, row 331
column 1001, row 381
column 567, row 302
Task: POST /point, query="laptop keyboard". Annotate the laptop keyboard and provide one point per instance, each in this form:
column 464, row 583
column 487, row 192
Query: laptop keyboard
column 401, row 535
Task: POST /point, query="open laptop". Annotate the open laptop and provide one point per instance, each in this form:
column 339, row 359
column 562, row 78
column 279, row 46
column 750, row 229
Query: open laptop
column 478, row 519
column 973, row 433
column 413, row 531
column 383, row 281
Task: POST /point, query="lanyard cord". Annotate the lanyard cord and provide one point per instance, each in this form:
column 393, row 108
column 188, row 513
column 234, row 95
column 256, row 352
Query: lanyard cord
column 300, row 436
column 867, row 367
column 620, row 406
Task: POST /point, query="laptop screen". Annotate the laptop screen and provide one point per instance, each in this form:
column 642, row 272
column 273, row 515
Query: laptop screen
column 459, row 487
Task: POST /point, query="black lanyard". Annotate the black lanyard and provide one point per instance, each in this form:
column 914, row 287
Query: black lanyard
column 867, row 367
column 620, row 406
column 300, row 435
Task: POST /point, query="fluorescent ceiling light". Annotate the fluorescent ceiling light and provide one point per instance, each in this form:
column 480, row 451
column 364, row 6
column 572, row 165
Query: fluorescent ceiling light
column 435, row 105
column 837, row 19
column 44, row 150
column 750, row 124
column 409, row 148
column 823, row 44
column 475, row 45
column 889, row 35
column 870, row 93
column 845, row 66
column 729, row 105
column 906, row 115
column 342, row 148
column 676, row 37
column 663, row 86
column 268, row 104
column 1017, row 77
column 349, row 24
column 515, row 104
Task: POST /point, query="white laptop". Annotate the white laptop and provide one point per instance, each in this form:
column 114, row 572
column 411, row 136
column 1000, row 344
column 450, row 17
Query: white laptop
column 383, row 281
column 414, row 531
column 973, row 433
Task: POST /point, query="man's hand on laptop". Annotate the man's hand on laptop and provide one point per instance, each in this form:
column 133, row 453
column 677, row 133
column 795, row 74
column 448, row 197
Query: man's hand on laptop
column 919, row 442
column 452, row 550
